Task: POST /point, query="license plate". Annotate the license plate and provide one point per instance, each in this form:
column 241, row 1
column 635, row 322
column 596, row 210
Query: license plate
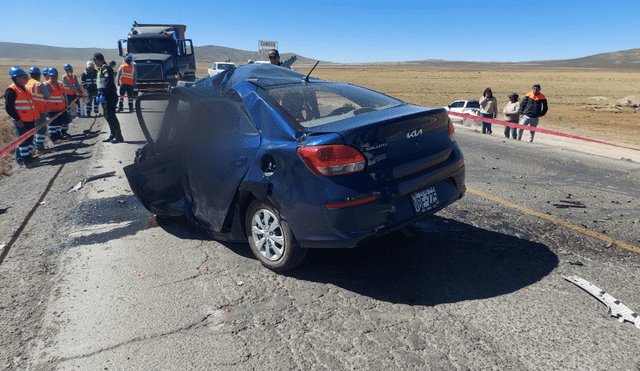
column 425, row 200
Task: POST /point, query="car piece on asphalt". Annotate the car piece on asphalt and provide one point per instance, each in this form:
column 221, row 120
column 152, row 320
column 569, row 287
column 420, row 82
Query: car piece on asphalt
column 258, row 153
column 616, row 308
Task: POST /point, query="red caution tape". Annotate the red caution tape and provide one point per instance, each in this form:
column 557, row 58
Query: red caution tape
column 536, row 129
column 16, row 142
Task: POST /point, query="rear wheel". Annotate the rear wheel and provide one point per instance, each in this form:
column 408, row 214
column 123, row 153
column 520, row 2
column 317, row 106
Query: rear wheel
column 271, row 240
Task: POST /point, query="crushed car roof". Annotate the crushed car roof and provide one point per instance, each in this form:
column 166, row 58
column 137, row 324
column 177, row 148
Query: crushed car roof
column 260, row 74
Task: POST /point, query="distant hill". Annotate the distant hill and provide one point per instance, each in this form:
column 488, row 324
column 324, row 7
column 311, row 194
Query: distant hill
column 209, row 53
column 214, row 53
column 43, row 52
column 625, row 59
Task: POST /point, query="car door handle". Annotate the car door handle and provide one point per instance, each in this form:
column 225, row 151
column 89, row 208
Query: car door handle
column 239, row 161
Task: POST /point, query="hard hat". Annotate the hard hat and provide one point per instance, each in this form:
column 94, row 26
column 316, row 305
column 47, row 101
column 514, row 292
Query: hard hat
column 16, row 71
column 45, row 71
column 128, row 58
column 89, row 64
column 101, row 99
column 53, row 71
column 34, row 69
column 67, row 67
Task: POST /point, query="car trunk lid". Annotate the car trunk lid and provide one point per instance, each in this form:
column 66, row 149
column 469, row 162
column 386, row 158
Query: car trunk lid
column 399, row 141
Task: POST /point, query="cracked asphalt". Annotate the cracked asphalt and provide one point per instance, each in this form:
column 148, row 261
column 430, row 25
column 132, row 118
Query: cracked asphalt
column 95, row 282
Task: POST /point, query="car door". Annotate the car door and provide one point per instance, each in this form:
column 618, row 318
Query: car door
column 158, row 176
column 222, row 146
column 457, row 106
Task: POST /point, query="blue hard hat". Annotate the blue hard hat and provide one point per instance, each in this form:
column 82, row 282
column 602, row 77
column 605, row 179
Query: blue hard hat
column 45, row 71
column 101, row 99
column 16, row 71
column 128, row 58
column 53, row 71
column 67, row 67
column 34, row 69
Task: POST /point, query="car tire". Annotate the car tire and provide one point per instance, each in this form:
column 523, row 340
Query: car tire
column 271, row 239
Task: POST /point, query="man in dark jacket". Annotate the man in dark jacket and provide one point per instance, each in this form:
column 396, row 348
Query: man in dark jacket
column 533, row 106
column 107, row 92
column 274, row 58
column 88, row 79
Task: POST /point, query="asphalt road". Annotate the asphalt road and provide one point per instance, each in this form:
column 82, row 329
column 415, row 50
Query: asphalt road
column 94, row 283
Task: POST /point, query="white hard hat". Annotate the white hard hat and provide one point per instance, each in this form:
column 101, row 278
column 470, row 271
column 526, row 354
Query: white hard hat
column 89, row 64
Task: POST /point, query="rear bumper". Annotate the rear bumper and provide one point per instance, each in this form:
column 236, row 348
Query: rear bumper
column 394, row 209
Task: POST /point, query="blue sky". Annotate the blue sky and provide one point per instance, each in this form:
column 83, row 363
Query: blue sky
column 348, row 31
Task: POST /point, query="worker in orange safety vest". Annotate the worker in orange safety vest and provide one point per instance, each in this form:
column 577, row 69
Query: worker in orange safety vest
column 40, row 93
column 20, row 106
column 72, row 88
column 56, row 105
column 126, row 80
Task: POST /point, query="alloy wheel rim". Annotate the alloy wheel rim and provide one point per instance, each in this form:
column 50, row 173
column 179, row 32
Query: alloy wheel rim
column 268, row 235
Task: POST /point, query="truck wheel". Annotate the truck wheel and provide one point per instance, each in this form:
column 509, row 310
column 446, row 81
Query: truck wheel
column 271, row 240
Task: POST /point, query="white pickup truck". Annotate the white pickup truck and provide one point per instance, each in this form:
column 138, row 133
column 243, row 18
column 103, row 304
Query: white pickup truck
column 218, row 67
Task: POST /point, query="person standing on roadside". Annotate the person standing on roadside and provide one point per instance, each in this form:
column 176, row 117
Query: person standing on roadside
column 511, row 115
column 20, row 106
column 72, row 88
column 40, row 93
column 533, row 106
column 89, row 78
column 56, row 105
column 107, row 92
column 488, row 108
column 126, row 80
column 274, row 58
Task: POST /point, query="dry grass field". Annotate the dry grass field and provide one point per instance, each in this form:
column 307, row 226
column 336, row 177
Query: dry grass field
column 570, row 93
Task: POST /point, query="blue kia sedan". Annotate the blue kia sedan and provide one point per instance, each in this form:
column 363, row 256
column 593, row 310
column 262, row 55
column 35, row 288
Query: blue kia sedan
column 288, row 162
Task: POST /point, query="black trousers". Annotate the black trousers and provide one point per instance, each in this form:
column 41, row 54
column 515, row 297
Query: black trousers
column 110, row 115
column 128, row 90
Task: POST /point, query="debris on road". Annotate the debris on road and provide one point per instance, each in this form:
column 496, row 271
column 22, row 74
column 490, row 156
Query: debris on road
column 616, row 308
column 567, row 204
column 81, row 183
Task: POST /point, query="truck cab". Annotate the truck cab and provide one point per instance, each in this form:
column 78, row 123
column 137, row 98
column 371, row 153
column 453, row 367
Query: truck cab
column 161, row 55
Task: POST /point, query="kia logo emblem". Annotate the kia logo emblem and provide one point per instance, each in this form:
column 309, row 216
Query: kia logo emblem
column 414, row 134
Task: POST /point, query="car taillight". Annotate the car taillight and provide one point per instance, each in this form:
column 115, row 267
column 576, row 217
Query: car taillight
column 332, row 159
column 452, row 132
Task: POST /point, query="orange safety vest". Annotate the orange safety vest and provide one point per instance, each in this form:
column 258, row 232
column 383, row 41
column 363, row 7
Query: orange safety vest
column 56, row 102
column 535, row 97
column 33, row 86
column 126, row 76
column 72, row 82
column 25, row 106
